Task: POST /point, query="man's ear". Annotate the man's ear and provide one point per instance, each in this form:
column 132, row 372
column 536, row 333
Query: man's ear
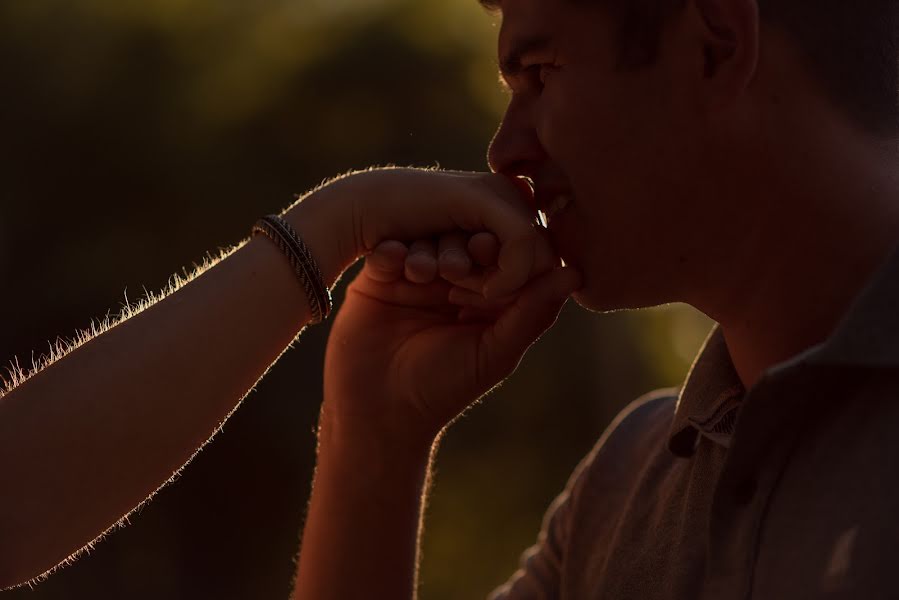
column 730, row 44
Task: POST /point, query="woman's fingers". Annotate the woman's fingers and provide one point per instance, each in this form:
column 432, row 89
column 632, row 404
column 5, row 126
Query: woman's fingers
column 465, row 262
column 421, row 262
column 387, row 262
column 408, row 204
column 391, row 261
column 454, row 262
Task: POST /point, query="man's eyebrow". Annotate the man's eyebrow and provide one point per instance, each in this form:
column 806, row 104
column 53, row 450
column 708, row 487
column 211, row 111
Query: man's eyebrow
column 510, row 64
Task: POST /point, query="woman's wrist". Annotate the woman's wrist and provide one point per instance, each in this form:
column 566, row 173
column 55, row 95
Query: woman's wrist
column 324, row 221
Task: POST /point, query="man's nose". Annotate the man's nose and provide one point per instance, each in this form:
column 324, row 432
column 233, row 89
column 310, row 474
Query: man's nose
column 515, row 148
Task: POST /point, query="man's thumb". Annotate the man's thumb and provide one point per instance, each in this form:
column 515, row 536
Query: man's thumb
column 525, row 320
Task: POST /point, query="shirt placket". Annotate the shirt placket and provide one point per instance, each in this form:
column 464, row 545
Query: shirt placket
column 764, row 439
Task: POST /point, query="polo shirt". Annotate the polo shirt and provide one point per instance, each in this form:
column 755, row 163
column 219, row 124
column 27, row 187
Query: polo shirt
column 789, row 489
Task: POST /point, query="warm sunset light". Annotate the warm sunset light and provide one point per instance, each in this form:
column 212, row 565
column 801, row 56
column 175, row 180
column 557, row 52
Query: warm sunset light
column 160, row 278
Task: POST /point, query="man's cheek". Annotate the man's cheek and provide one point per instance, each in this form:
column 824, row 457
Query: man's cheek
column 578, row 124
column 562, row 139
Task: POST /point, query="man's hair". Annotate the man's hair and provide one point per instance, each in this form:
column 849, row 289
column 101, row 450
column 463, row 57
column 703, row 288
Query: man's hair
column 850, row 48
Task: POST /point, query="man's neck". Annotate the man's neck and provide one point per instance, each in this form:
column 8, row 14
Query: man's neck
column 837, row 220
column 795, row 309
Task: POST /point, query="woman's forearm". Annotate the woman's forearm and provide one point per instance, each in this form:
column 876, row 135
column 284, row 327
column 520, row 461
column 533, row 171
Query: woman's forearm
column 95, row 433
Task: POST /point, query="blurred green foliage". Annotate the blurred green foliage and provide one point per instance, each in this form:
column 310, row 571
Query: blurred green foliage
column 136, row 136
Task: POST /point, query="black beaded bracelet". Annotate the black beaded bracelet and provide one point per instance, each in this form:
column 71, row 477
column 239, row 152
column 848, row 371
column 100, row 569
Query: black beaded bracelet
column 288, row 241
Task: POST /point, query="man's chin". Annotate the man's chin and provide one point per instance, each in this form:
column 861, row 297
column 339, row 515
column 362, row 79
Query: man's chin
column 595, row 304
column 593, row 294
column 603, row 297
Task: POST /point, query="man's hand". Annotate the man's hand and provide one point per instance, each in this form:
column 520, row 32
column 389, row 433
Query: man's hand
column 428, row 326
column 415, row 341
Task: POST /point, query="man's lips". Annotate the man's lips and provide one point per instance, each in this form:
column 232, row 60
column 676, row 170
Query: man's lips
column 551, row 200
column 546, row 197
column 556, row 206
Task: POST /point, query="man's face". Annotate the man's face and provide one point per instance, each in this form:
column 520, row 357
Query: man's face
column 619, row 146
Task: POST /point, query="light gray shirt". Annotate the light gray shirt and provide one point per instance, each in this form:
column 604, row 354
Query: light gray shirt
column 787, row 490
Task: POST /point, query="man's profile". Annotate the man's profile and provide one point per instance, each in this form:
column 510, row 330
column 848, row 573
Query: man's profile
column 738, row 156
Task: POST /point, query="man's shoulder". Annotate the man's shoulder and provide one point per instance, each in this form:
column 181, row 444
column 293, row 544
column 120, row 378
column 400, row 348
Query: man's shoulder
column 643, row 423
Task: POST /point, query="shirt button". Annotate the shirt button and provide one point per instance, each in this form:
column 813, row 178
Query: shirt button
column 744, row 491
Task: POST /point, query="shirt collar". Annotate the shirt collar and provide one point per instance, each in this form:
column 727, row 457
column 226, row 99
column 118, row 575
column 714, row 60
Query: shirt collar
column 711, row 391
column 867, row 336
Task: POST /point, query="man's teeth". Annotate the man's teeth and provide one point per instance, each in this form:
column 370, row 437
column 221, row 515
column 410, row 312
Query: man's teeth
column 557, row 204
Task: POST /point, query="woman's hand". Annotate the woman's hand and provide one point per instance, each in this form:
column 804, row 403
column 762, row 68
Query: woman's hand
column 349, row 217
column 415, row 343
column 458, row 258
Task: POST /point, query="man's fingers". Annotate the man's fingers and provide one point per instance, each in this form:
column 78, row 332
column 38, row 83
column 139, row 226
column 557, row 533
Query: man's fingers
column 477, row 315
column 534, row 311
column 517, row 254
column 515, row 265
column 387, row 262
column 545, row 257
column 483, row 247
column 402, row 293
column 464, row 297
column 453, row 261
column 475, row 280
column 421, row 262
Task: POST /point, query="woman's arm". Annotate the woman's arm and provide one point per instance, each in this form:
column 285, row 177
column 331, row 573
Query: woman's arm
column 95, row 433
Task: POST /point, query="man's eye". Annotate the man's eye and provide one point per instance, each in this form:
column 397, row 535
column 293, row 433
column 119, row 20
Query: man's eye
column 540, row 71
column 545, row 69
column 533, row 76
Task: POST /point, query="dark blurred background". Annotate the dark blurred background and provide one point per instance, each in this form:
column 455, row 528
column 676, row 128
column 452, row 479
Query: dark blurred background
column 137, row 136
